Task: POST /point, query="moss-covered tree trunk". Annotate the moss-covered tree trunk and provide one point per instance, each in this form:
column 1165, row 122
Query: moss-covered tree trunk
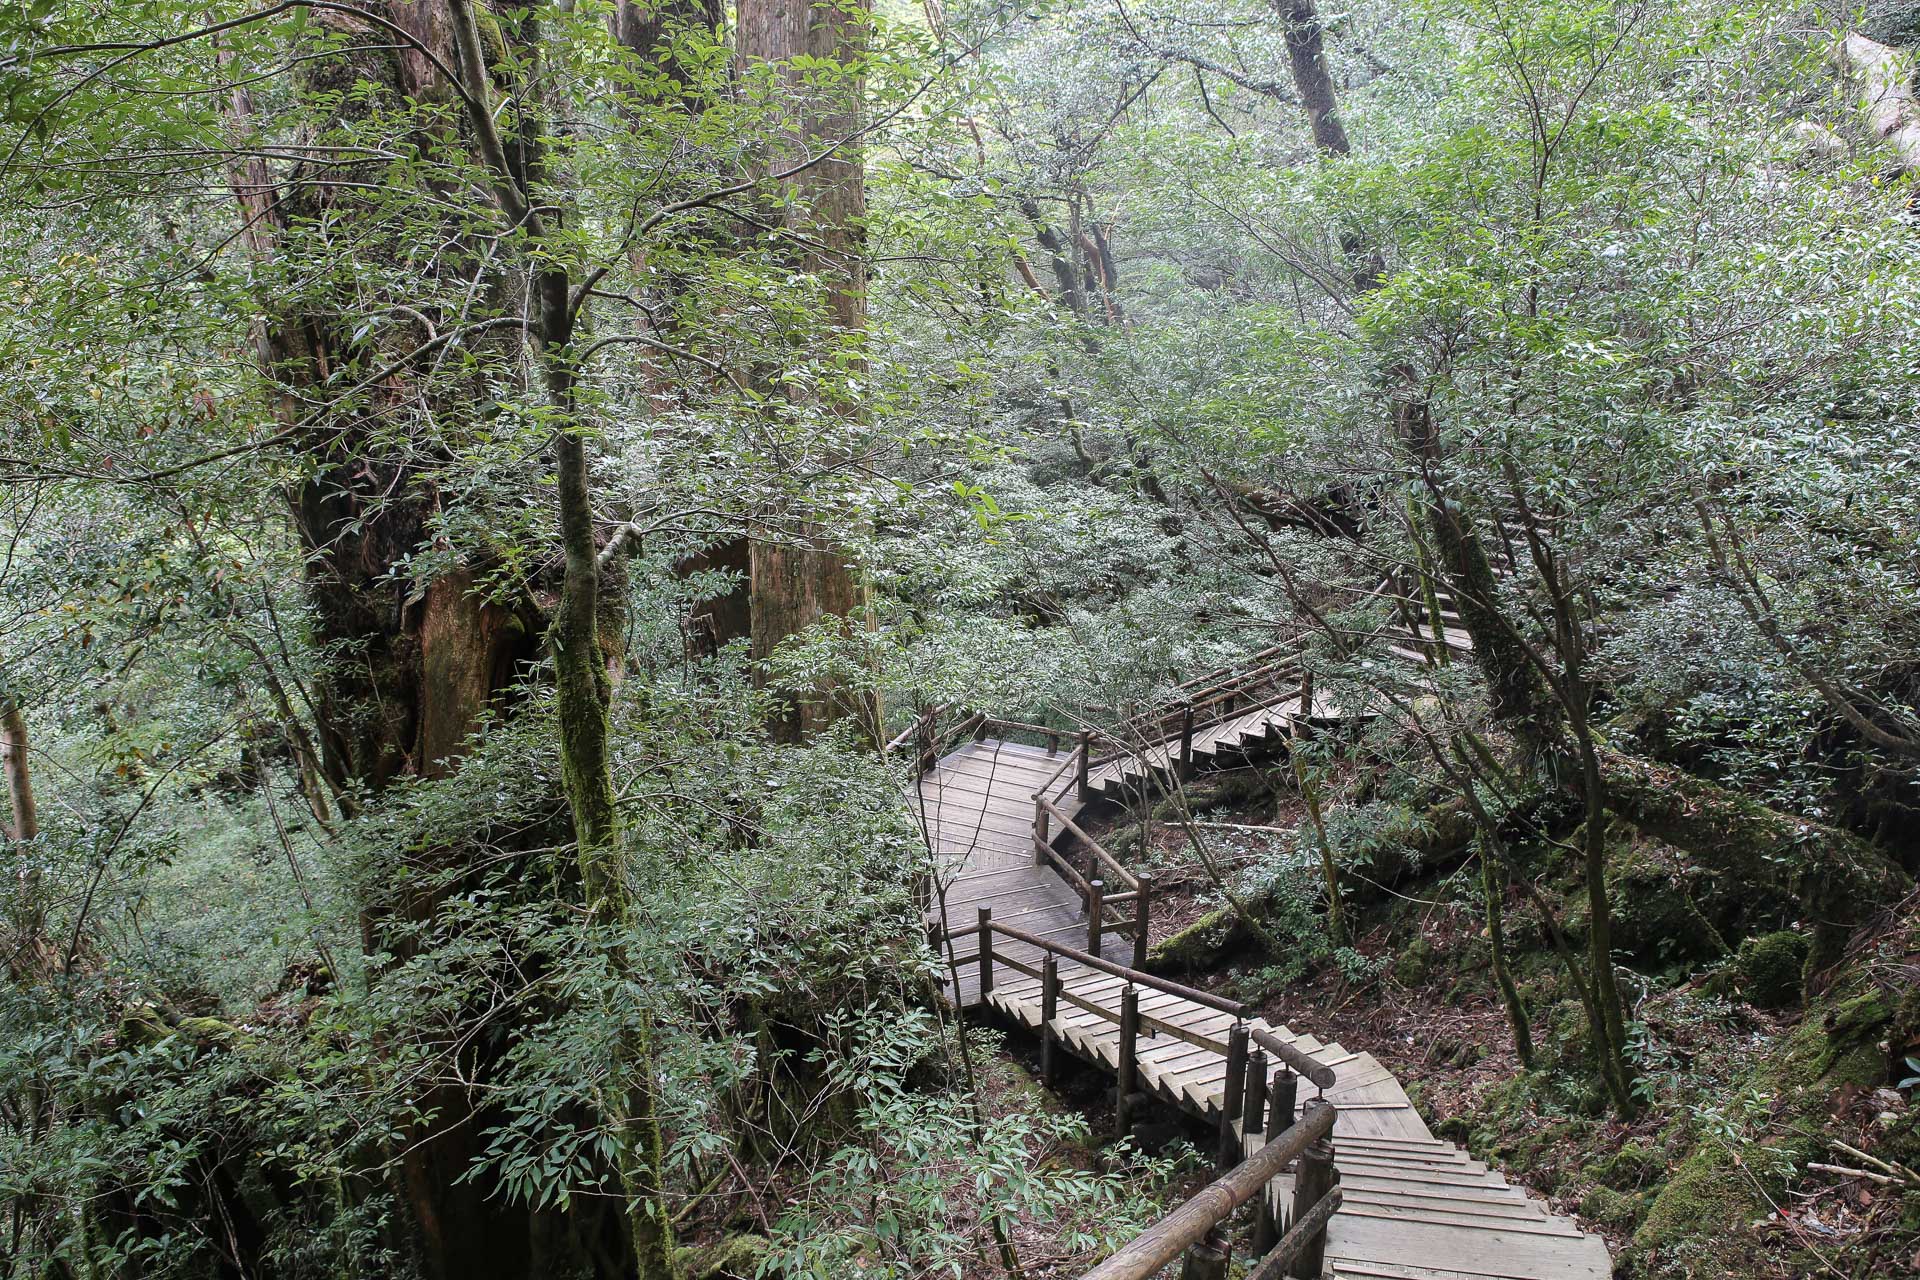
column 413, row 661
column 583, row 687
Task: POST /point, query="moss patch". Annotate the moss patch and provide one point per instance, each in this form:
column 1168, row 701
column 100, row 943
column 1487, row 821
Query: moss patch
column 735, row 1258
column 1706, row 1208
column 1769, row 968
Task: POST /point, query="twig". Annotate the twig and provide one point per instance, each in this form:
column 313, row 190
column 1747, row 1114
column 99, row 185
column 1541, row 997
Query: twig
column 1845, row 1172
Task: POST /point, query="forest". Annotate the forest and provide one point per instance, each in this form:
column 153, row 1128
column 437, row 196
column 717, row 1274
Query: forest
column 681, row 640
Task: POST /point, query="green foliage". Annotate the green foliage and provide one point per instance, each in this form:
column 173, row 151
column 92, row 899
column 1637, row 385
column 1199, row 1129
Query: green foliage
column 913, row 1194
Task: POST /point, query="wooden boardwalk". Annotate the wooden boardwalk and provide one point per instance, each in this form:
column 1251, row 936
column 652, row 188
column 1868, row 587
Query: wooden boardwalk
column 976, row 808
column 1414, row 1208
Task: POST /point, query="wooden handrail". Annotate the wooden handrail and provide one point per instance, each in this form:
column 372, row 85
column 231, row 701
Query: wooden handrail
column 1154, row 725
column 1047, row 786
column 1067, row 869
column 1108, row 860
column 1299, row 1238
column 1021, row 726
column 1153, row 1026
column 1105, row 965
column 919, row 722
column 1164, row 1241
column 1319, row 1073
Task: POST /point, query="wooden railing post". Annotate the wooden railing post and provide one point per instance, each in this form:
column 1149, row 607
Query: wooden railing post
column 1096, row 913
column 1281, row 1095
column 1306, row 696
column 986, row 953
column 1049, row 1009
column 1253, row 1107
column 1207, row 1258
column 1140, row 896
column 1042, row 834
column 1186, row 736
column 1281, row 1100
column 1313, row 1178
column 1126, row 1074
column 927, row 738
column 1233, row 1087
column 1081, row 788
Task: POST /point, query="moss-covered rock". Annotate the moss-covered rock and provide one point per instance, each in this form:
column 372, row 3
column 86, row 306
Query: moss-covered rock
column 1566, row 1037
column 1614, row 1210
column 1699, row 1222
column 1769, row 968
column 735, row 1258
column 1656, row 916
column 1414, row 962
column 1201, row 944
column 1633, row 1166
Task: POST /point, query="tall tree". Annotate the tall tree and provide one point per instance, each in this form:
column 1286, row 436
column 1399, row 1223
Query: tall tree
column 412, row 658
column 813, row 52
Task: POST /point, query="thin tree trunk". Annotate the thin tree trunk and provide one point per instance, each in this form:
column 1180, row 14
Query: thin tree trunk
column 1493, row 889
column 25, row 818
column 583, row 686
column 1336, row 915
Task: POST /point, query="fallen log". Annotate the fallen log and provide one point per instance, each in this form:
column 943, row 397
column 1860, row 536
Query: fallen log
column 1839, row 878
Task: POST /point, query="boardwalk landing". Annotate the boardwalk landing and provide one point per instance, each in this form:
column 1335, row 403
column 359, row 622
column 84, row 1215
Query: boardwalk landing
column 1416, row 1208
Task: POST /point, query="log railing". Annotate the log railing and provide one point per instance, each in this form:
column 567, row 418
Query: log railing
column 1268, row 677
column 934, row 729
column 1253, row 1104
column 989, row 962
column 1194, row 1229
column 1123, row 912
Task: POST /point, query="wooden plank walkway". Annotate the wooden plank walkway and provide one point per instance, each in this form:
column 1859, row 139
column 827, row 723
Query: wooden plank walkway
column 1416, row 1208
column 976, row 808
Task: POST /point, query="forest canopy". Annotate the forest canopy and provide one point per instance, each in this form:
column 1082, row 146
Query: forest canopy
column 505, row 504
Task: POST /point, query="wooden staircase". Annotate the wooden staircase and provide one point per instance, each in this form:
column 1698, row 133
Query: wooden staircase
column 1012, row 925
column 1043, row 927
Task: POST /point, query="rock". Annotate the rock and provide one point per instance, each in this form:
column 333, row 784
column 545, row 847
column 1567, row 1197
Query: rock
column 1414, row 963
column 735, row 1258
column 1633, row 1166
column 1615, row 1210
column 1814, row 141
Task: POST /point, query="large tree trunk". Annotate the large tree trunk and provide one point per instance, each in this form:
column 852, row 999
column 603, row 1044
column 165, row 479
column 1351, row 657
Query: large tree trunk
column 799, row 582
column 412, row 663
